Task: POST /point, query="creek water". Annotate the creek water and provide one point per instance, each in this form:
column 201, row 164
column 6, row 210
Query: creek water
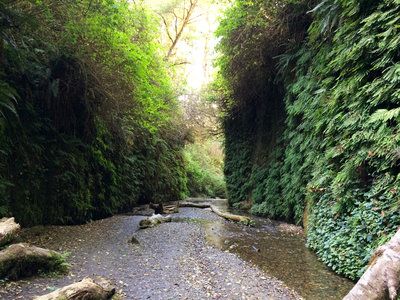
column 279, row 250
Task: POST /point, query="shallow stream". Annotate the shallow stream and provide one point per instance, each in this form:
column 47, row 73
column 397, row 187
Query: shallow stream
column 279, row 250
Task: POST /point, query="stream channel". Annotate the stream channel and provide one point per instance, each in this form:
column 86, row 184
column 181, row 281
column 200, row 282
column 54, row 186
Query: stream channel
column 279, row 250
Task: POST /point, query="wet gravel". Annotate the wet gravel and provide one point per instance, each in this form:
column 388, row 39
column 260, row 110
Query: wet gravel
column 172, row 261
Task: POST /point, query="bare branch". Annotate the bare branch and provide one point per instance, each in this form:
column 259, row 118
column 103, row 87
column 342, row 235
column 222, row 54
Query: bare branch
column 166, row 28
column 185, row 22
column 176, row 23
column 181, row 63
column 193, row 18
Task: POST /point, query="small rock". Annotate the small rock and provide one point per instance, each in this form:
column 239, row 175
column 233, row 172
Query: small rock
column 134, row 241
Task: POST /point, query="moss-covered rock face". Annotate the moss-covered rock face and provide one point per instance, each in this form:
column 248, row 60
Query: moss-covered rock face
column 255, row 115
column 346, row 95
column 336, row 140
column 88, row 121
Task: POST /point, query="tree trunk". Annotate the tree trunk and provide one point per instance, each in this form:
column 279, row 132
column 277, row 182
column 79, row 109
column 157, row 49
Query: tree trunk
column 21, row 260
column 86, row 289
column 381, row 279
column 8, row 230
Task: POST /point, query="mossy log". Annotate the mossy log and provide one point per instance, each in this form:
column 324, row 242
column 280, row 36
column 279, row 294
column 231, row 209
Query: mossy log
column 87, row 289
column 22, row 260
column 153, row 221
column 9, row 229
column 381, row 280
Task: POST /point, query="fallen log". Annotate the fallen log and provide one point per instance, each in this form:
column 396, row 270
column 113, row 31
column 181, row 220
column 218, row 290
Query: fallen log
column 381, row 280
column 205, row 199
column 151, row 209
column 87, row 289
column 8, row 230
column 143, row 210
column 192, row 204
column 170, row 209
column 22, row 260
column 229, row 216
column 216, row 210
column 153, row 221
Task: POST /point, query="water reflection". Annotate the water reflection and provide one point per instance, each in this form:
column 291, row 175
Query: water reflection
column 282, row 255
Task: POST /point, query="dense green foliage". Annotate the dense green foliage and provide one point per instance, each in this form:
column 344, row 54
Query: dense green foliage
column 203, row 162
column 353, row 130
column 312, row 119
column 88, row 122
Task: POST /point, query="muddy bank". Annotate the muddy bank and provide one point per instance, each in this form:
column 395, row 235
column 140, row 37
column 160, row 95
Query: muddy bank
column 172, row 261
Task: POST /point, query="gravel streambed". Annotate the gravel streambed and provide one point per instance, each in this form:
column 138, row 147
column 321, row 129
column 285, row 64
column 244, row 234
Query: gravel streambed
column 172, row 261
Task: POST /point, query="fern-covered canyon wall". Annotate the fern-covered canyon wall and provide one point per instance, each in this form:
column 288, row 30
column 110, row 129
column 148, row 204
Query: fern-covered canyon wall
column 311, row 95
column 89, row 124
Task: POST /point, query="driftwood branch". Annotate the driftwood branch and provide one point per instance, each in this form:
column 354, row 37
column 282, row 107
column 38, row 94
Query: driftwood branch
column 8, row 230
column 229, row 216
column 215, row 209
column 100, row 289
column 171, row 209
column 382, row 278
column 21, row 260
